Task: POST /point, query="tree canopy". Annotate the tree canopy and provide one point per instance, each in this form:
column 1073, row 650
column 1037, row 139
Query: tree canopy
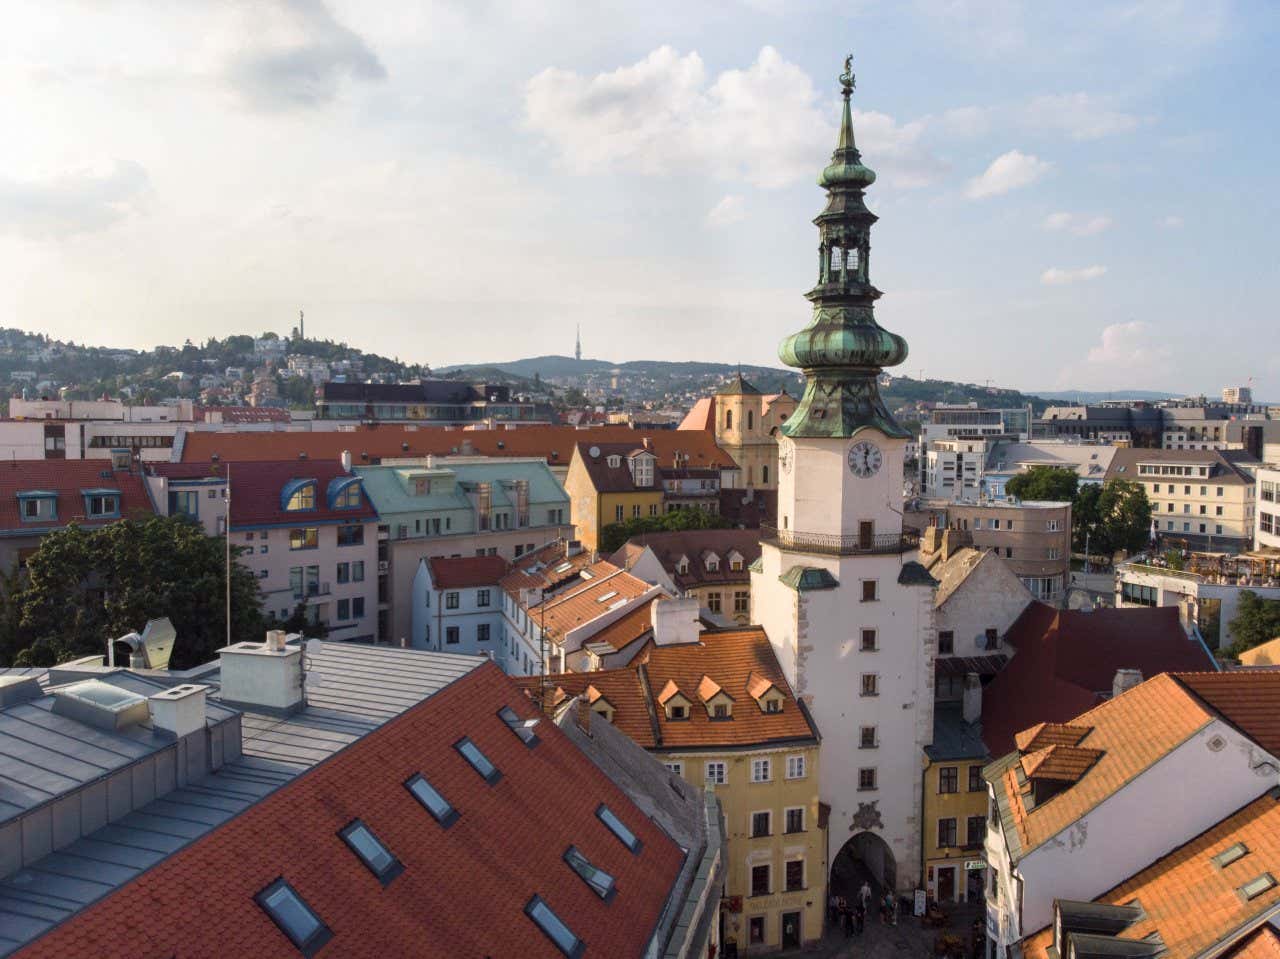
column 1257, row 621
column 615, row 534
column 1111, row 517
column 1051, row 483
column 83, row 586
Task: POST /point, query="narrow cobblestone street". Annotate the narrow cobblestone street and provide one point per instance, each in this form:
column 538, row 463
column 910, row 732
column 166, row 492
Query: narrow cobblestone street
column 909, row 938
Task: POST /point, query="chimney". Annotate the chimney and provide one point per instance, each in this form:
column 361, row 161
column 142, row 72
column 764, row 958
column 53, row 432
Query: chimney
column 971, row 706
column 265, row 675
column 573, row 548
column 1125, row 679
column 346, row 461
column 179, row 710
column 954, row 540
column 930, row 541
column 675, row 621
column 582, row 714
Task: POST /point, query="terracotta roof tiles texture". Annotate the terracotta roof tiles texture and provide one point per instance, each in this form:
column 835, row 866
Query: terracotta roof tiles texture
column 633, row 626
column 1066, row 661
column 1050, row 734
column 371, row 444
column 67, row 478
column 639, row 691
column 668, row 547
column 464, row 571
column 1059, row 763
column 1188, row 899
column 1248, row 699
column 463, row 889
column 581, row 603
column 1165, row 713
column 1263, row 943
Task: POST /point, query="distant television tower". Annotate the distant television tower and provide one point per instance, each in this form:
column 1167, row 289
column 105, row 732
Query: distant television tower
column 577, row 346
column 302, row 326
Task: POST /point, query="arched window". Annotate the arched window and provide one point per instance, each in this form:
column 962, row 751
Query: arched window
column 301, row 496
column 751, row 420
column 837, row 258
column 728, row 419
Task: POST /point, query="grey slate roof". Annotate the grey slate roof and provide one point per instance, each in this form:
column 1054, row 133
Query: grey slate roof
column 351, row 690
column 953, row 738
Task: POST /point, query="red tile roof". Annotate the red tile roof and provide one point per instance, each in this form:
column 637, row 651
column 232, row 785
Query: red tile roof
column 702, row 416
column 463, row 889
column 67, row 478
column 1066, row 661
column 696, row 546
column 372, row 443
column 256, row 488
column 463, row 571
column 1249, row 700
column 242, row 414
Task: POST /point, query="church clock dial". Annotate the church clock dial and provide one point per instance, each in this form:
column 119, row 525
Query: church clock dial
column 865, row 459
column 784, row 456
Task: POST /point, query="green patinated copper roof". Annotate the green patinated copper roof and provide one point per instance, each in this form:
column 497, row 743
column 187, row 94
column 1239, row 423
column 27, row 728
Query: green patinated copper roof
column 805, row 578
column 913, row 574
column 843, row 350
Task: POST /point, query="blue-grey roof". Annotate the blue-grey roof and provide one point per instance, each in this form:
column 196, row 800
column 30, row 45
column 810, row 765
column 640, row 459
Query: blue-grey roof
column 953, row 738
column 350, row 691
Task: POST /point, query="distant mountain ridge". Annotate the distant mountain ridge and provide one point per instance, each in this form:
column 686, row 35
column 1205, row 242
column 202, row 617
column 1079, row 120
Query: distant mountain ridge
column 1099, row 396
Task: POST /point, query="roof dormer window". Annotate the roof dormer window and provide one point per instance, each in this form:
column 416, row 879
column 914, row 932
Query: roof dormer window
column 614, row 461
column 735, row 561
column 344, row 493
column 101, row 503
column 298, row 495
column 38, row 506
column 713, row 563
column 682, row 565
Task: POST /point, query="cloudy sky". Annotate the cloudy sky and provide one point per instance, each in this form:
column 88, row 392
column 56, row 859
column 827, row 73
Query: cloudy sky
column 1070, row 196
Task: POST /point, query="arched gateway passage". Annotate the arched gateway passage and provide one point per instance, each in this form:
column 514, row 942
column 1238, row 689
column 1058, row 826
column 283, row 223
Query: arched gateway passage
column 864, row 858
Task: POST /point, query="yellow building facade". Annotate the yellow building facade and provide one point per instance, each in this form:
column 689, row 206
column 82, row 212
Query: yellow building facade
column 746, row 424
column 602, row 491
column 775, row 883
column 954, row 821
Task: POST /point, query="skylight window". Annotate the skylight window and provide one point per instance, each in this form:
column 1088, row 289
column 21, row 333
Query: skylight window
column 371, row 851
column 294, row 917
column 1233, row 853
column 616, row 826
column 564, row 567
column 435, row 804
column 601, row 883
column 554, row 928
column 605, row 597
column 587, row 574
column 523, row 728
column 478, row 760
column 1256, row 887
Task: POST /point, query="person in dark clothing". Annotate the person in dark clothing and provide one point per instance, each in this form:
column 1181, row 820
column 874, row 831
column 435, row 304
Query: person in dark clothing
column 860, row 919
column 846, row 918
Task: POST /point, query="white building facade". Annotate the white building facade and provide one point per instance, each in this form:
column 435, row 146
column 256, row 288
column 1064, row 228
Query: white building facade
column 848, row 610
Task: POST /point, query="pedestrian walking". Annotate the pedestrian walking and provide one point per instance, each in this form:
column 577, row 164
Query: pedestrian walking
column 846, row 919
column 860, row 919
column 833, row 909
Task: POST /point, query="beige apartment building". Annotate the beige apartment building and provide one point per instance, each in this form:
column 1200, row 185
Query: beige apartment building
column 1032, row 537
column 745, row 422
column 1203, row 499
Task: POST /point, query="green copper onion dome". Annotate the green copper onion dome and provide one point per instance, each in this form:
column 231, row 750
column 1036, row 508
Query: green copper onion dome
column 843, row 350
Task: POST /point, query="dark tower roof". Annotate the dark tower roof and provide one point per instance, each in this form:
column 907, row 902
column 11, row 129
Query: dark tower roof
column 737, row 386
column 843, row 350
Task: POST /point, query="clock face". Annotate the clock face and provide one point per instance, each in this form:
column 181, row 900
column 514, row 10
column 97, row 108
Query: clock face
column 865, row 459
column 784, row 456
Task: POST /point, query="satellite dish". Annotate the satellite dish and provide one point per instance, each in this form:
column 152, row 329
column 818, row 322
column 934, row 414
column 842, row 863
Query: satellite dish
column 594, row 452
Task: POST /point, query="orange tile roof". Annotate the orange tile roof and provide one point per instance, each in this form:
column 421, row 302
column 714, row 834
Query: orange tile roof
column 580, row 604
column 373, row 443
column 730, row 658
column 633, row 626
column 1263, row 943
column 1164, row 712
column 541, row 569
column 1050, row 734
column 463, row 889
column 708, row 688
column 1248, row 699
column 1059, row 763
column 1191, row 902
column 702, row 416
column 757, row 685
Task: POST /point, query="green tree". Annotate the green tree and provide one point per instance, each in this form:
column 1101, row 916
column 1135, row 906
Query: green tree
column 1050, row 483
column 1257, row 621
column 1113, row 517
column 83, row 586
column 613, row 536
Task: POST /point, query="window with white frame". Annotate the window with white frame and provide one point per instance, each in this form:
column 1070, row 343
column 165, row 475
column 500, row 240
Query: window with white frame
column 675, row 767
column 714, row 773
column 795, row 767
column 761, row 770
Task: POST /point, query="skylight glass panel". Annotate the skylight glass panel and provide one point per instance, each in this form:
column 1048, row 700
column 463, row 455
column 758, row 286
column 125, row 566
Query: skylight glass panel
column 601, row 883
column 294, row 917
column 1256, row 887
column 564, row 567
column 478, row 760
column 554, row 928
column 523, row 728
column 616, row 826
column 605, row 597
column 371, row 851
column 1233, row 853
column 587, row 574
column 435, row 804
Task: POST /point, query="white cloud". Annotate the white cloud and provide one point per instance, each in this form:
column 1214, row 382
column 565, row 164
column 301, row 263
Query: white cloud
column 74, row 201
column 1128, row 346
column 765, row 125
column 1009, row 171
column 1171, row 222
column 289, row 54
column 1078, row 116
column 1055, row 276
column 730, row 209
column 1077, row 224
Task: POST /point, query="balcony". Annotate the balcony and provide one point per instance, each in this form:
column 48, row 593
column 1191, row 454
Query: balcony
column 828, row 544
